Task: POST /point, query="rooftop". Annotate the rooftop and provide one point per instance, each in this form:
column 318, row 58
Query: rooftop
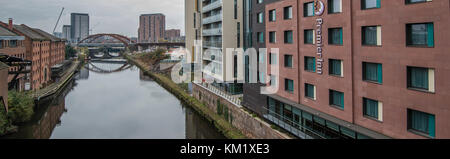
column 29, row 32
column 47, row 35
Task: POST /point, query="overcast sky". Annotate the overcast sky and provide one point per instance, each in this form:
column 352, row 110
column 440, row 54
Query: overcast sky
column 106, row 16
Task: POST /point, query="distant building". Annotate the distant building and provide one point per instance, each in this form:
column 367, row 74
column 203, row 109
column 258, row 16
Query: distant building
column 66, row 32
column 79, row 26
column 172, row 35
column 57, row 34
column 152, row 27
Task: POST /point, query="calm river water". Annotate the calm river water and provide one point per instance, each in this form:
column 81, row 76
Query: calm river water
column 115, row 101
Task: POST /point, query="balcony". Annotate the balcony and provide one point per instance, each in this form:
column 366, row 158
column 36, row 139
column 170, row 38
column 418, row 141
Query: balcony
column 212, row 19
column 212, row 44
column 212, row 6
column 212, row 32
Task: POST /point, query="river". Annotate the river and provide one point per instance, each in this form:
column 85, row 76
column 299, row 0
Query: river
column 115, row 101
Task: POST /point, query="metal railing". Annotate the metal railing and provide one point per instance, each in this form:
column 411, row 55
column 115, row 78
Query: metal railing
column 212, row 19
column 233, row 99
column 216, row 44
column 291, row 126
column 210, row 32
column 212, row 6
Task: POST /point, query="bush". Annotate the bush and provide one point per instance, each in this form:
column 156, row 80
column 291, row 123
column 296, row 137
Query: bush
column 3, row 122
column 20, row 107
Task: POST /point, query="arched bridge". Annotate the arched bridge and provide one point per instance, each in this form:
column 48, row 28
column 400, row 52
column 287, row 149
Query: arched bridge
column 107, row 67
column 93, row 38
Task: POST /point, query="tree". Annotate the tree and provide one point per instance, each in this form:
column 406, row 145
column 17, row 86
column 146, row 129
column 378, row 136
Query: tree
column 20, row 107
column 70, row 52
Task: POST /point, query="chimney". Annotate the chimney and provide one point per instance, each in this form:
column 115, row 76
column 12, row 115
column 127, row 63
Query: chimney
column 10, row 24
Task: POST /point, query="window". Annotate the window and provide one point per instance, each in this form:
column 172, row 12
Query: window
column 422, row 123
column 259, row 1
column 309, row 36
column 335, row 36
column 272, row 15
column 334, row 6
column 260, row 37
column 13, row 43
column 273, row 80
column 288, row 61
column 372, row 109
column 260, row 18
column 420, row 35
column 288, row 37
column 308, row 9
column 421, row 78
column 371, row 35
column 272, row 37
column 310, row 91
column 373, row 72
column 337, row 99
column 369, row 4
column 273, row 59
column 416, row 1
column 336, row 67
column 1, row 44
column 238, row 30
column 287, row 12
column 235, row 9
column 310, row 64
column 289, row 85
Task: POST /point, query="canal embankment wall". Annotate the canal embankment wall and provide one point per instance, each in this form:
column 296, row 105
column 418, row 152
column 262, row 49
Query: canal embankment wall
column 221, row 124
column 233, row 121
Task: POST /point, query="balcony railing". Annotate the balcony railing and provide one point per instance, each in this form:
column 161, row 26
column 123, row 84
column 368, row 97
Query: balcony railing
column 214, row 44
column 212, row 6
column 212, row 32
column 212, row 19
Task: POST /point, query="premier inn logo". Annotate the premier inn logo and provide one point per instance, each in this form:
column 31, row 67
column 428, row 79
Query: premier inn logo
column 319, row 8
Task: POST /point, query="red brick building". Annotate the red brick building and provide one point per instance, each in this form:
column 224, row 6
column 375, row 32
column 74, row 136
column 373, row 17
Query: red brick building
column 42, row 49
column 3, row 86
column 11, row 44
column 361, row 68
column 152, row 28
column 173, row 34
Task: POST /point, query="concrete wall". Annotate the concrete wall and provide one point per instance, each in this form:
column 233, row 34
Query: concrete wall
column 242, row 120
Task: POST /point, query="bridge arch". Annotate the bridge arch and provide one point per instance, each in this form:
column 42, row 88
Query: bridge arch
column 123, row 39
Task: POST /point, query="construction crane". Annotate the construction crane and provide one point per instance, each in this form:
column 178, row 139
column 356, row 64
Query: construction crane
column 58, row 20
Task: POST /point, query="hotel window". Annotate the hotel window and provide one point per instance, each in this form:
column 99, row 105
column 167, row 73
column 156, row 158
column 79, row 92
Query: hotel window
column 309, row 36
column 335, row 36
column 420, row 35
column 421, row 78
column 272, row 37
column 289, row 85
column 288, row 61
column 422, row 123
column 260, row 37
column 371, row 35
column 272, row 15
column 310, row 64
column 334, row 6
column 337, row 99
column 373, row 72
column 288, row 37
column 260, row 18
column 310, row 91
column 373, row 109
column 417, row 1
column 308, row 9
column 235, row 9
column 336, row 67
column 273, row 59
column 287, row 12
column 369, row 4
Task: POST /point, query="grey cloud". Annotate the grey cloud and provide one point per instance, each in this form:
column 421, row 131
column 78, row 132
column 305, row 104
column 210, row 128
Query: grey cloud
column 106, row 16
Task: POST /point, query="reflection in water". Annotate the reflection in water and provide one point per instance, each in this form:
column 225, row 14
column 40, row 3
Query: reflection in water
column 118, row 105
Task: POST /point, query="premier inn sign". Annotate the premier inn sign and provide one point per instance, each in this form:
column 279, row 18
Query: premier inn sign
column 319, row 8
